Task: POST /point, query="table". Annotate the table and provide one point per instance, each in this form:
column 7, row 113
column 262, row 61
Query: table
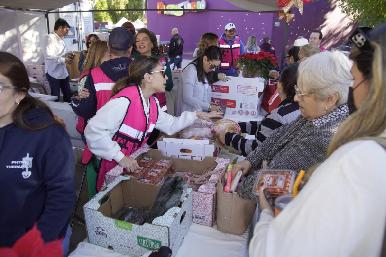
column 64, row 111
column 200, row 241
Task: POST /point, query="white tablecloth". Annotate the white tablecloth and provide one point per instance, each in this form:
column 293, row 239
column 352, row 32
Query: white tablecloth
column 201, row 241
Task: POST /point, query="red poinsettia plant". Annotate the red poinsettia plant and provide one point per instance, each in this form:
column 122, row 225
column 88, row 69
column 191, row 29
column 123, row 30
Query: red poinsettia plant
column 258, row 64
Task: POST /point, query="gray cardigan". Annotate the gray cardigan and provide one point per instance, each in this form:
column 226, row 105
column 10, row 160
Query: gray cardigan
column 298, row 145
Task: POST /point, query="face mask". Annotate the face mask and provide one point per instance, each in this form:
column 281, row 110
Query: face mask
column 350, row 101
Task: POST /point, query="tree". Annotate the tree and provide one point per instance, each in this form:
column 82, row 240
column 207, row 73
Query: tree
column 114, row 16
column 366, row 12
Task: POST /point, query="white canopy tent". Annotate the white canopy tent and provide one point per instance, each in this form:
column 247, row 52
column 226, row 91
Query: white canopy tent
column 43, row 5
column 256, row 5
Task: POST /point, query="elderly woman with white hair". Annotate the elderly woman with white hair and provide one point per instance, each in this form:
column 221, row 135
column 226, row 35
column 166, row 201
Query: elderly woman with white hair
column 321, row 92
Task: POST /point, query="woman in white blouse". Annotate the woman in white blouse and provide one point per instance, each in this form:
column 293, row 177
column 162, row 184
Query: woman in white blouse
column 196, row 90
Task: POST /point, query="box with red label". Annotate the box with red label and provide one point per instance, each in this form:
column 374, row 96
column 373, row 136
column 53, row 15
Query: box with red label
column 186, row 148
column 240, row 97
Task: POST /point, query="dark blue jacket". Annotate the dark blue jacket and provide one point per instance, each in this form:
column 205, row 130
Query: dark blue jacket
column 36, row 179
column 115, row 69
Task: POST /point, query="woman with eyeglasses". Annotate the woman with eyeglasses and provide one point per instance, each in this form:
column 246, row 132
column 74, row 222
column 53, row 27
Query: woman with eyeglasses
column 292, row 55
column 90, row 39
column 341, row 210
column 196, row 91
column 124, row 124
column 321, row 92
column 36, row 160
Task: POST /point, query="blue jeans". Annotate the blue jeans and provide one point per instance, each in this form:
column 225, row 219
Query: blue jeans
column 57, row 84
column 177, row 61
column 66, row 241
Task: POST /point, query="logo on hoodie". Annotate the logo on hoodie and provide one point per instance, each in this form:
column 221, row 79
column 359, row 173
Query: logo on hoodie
column 25, row 164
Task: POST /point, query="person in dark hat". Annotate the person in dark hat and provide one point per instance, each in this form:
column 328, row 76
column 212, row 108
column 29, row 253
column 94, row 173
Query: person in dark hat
column 56, row 57
column 100, row 81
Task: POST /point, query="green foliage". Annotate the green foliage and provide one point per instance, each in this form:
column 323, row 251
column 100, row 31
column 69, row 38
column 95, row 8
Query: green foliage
column 115, row 16
column 366, row 12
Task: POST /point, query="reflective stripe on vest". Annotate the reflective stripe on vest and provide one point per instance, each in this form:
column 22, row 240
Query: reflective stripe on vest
column 225, row 46
column 103, row 86
column 131, row 132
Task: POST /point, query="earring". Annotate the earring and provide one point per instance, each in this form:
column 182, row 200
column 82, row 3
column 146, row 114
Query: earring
column 17, row 102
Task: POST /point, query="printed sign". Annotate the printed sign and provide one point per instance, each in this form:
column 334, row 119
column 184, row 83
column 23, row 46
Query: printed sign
column 178, row 9
column 148, row 243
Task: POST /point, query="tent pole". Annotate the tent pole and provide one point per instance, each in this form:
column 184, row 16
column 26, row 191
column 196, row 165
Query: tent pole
column 48, row 23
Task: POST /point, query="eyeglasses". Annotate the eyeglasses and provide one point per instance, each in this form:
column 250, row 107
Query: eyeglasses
column 159, row 71
column 2, row 87
column 300, row 93
column 212, row 66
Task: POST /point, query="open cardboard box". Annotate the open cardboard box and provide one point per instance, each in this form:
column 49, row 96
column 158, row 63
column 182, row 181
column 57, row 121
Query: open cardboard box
column 204, row 202
column 186, row 148
column 127, row 238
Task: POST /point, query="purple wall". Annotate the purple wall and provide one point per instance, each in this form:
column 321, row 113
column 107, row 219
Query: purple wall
column 193, row 25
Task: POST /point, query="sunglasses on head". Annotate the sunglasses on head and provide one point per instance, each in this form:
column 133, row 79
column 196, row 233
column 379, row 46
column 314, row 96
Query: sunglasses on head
column 360, row 40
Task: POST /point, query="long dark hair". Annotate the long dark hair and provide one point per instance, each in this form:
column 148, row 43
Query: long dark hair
column 12, row 68
column 294, row 52
column 137, row 70
column 212, row 53
column 155, row 50
column 288, row 78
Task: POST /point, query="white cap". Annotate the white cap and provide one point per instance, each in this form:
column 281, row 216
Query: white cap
column 230, row 26
column 300, row 42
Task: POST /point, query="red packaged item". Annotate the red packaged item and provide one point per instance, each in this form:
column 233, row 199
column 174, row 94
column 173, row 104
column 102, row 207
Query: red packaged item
column 271, row 99
column 275, row 182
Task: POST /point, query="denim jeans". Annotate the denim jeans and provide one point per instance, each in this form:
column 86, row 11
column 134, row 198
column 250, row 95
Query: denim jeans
column 177, row 61
column 57, row 84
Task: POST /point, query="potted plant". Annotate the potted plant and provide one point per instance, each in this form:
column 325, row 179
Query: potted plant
column 256, row 65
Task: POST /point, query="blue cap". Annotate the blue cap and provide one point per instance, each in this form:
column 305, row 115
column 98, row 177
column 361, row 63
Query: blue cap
column 120, row 39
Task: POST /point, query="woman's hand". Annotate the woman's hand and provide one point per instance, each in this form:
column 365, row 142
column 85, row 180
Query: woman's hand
column 222, row 77
column 263, row 202
column 215, row 108
column 209, row 115
column 84, row 93
column 244, row 166
column 129, row 164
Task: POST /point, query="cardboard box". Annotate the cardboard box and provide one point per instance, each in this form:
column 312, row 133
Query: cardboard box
column 132, row 239
column 204, row 199
column 186, row 148
column 234, row 214
column 239, row 96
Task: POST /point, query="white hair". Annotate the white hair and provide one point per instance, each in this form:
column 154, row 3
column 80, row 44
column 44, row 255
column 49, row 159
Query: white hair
column 174, row 31
column 326, row 73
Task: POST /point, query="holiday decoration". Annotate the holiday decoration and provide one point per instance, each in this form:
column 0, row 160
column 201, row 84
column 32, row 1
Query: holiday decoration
column 287, row 17
column 286, row 5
